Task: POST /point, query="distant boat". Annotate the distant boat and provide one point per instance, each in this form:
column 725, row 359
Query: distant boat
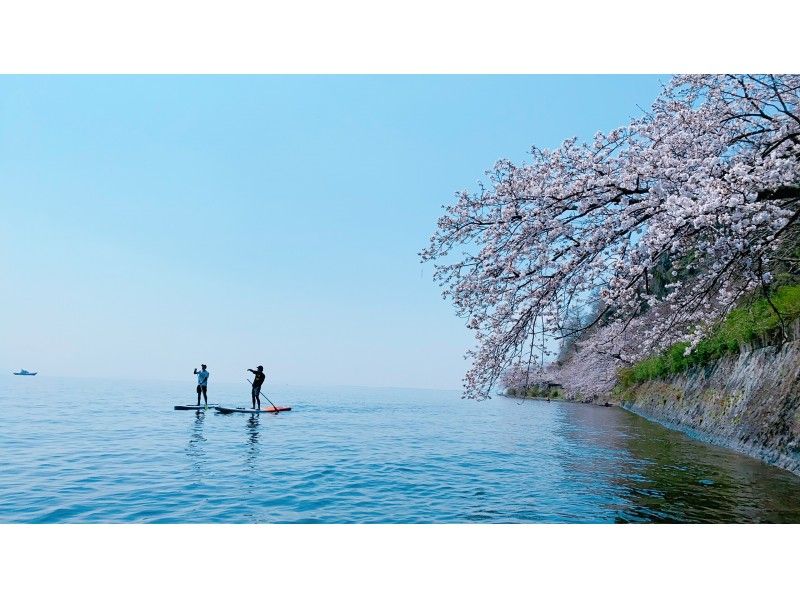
column 25, row 373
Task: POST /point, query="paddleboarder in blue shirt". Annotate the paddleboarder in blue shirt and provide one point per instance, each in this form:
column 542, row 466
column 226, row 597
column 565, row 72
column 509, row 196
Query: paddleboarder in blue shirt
column 258, row 380
column 202, row 383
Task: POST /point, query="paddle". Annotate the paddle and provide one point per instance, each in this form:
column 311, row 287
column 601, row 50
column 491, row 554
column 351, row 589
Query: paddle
column 265, row 396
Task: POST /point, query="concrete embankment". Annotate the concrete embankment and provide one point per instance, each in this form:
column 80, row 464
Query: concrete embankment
column 749, row 402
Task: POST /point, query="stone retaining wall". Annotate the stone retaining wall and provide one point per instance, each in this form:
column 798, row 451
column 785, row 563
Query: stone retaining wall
column 749, row 402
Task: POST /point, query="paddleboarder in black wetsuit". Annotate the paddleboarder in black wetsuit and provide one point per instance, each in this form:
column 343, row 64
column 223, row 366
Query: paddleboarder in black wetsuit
column 202, row 383
column 257, row 382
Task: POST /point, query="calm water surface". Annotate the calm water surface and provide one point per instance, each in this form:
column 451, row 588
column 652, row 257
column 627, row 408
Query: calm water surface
column 103, row 451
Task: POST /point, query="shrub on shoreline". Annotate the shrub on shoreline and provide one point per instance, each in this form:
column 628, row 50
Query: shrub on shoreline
column 755, row 324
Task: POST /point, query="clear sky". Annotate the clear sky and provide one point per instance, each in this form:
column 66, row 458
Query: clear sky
column 148, row 224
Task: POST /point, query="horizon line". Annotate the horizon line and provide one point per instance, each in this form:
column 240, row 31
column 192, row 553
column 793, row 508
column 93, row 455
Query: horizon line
column 367, row 386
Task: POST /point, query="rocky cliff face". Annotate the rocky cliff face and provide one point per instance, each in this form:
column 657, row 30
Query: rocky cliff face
column 749, row 402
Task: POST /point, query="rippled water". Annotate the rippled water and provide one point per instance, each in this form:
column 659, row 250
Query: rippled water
column 104, row 451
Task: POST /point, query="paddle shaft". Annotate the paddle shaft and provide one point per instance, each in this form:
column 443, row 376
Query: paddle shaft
column 265, row 396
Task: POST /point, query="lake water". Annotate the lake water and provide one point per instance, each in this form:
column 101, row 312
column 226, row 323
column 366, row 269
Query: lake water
column 83, row 451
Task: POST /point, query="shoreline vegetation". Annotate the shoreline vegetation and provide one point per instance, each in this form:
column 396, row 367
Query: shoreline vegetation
column 553, row 391
column 763, row 322
column 758, row 322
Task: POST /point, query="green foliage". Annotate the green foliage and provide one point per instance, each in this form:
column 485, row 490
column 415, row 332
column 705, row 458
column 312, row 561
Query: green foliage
column 754, row 323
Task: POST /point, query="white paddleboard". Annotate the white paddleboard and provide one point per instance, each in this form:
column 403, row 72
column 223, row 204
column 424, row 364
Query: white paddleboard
column 195, row 407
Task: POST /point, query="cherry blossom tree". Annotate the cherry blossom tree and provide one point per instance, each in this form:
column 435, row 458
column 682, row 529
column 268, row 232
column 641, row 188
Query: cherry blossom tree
column 708, row 181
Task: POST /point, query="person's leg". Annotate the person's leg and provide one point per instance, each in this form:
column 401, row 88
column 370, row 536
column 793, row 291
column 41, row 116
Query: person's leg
column 205, row 395
column 198, row 394
column 253, row 396
column 258, row 397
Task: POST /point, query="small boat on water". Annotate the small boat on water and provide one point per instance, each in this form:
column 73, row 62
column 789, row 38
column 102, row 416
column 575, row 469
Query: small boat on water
column 25, row 373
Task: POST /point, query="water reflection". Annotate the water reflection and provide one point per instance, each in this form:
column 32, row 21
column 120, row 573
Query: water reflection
column 197, row 438
column 593, row 455
column 195, row 450
column 253, row 448
column 595, row 438
column 644, row 472
column 676, row 479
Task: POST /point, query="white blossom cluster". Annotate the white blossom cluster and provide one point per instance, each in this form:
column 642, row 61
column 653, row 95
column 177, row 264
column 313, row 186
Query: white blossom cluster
column 709, row 180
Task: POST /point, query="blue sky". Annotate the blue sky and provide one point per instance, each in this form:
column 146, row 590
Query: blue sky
column 151, row 223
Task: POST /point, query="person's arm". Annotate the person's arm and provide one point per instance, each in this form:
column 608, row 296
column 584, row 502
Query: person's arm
column 249, row 370
column 195, row 371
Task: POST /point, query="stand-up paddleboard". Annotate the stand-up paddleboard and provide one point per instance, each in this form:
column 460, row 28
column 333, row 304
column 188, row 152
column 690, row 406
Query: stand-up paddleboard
column 195, row 407
column 244, row 410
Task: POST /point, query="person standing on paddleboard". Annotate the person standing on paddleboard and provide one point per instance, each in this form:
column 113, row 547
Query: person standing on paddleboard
column 258, row 380
column 202, row 383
